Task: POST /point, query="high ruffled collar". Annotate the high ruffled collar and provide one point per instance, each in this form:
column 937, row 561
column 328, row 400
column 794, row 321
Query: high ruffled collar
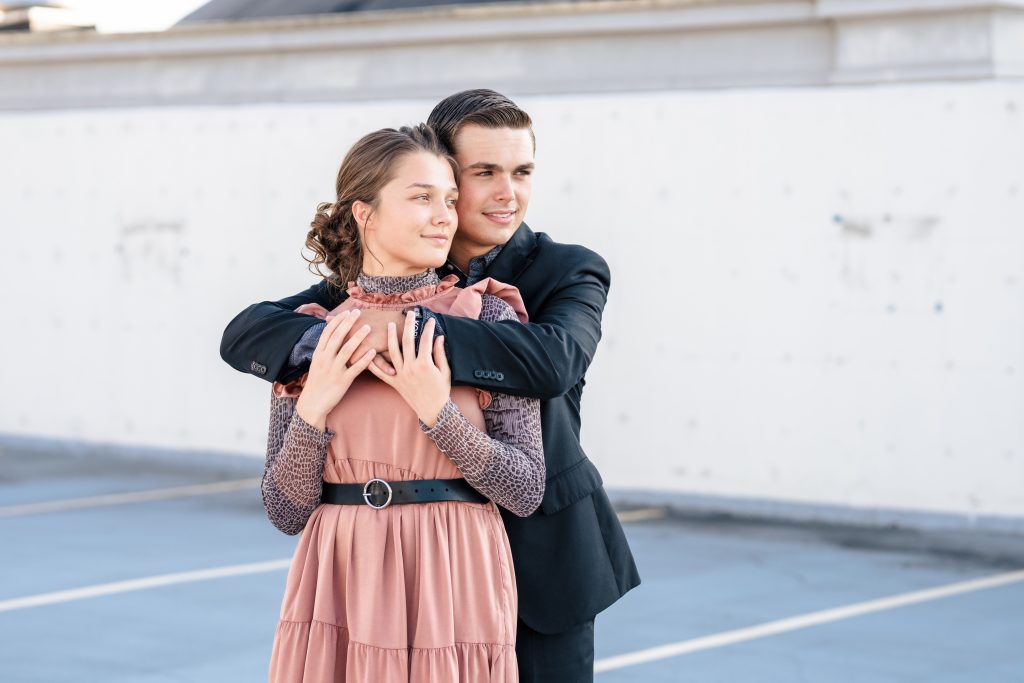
column 399, row 289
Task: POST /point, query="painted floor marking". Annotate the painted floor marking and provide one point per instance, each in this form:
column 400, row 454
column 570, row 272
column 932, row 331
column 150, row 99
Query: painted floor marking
column 129, row 497
column 641, row 515
column 772, row 628
column 142, row 584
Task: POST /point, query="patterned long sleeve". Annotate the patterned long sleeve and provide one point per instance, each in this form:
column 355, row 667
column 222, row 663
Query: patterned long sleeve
column 507, row 463
column 293, row 473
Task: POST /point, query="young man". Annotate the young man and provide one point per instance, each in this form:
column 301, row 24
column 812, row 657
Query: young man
column 571, row 556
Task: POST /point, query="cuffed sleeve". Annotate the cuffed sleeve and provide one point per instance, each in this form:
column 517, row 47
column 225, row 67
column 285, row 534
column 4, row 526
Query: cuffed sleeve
column 293, row 473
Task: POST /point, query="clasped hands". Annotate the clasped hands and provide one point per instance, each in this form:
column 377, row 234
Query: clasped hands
column 422, row 379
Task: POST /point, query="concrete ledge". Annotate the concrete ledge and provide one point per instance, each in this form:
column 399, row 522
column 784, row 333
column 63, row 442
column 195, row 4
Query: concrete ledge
column 692, row 505
column 523, row 49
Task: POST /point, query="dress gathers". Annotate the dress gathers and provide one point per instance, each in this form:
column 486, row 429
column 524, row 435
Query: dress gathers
column 419, row 592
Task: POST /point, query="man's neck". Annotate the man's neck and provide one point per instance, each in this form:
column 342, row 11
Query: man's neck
column 461, row 255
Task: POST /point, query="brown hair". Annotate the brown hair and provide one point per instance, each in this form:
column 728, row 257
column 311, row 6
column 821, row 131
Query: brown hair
column 370, row 165
column 482, row 107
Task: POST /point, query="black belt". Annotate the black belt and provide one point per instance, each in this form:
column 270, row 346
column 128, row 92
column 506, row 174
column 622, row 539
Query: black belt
column 379, row 494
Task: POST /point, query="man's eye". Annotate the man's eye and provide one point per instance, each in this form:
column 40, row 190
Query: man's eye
column 523, row 172
column 484, row 173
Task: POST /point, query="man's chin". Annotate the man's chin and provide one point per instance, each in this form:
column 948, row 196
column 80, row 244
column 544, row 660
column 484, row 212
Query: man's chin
column 500, row 234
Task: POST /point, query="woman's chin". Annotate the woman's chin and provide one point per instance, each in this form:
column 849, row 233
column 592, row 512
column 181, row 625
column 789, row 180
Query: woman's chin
column 436, row 261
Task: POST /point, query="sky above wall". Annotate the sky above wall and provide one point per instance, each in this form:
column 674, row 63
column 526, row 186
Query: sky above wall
column 127, row 16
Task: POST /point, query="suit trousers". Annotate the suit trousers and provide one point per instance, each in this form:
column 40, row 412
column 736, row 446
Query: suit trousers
column 566, row 657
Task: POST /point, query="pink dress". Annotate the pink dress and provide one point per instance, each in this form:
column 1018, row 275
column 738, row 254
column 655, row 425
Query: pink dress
column 420, row 592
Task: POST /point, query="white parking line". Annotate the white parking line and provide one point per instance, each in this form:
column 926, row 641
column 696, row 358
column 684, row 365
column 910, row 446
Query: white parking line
column 130, row 497
column 641, row 515
column 141, row 584
column 772, row 628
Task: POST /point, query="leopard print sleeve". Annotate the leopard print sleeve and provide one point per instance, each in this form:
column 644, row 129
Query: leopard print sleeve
column 292, row 476
column 507, row 463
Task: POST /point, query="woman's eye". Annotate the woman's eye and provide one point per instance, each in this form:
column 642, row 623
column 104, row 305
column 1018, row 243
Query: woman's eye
column 451, row 202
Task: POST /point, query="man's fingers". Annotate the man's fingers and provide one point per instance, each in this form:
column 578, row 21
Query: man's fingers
column 426, row 340
column 313, row 309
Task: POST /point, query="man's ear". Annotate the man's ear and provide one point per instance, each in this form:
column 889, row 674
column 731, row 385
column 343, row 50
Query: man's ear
column 361, row 212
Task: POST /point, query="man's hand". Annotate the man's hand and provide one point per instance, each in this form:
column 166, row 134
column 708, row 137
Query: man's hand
column 377, row 339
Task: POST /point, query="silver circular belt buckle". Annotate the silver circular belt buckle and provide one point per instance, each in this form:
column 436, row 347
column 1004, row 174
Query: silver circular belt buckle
column 368, row 494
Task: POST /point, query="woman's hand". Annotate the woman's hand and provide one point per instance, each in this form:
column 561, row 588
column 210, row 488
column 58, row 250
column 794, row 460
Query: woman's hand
column 423, row 379
column 329, row 373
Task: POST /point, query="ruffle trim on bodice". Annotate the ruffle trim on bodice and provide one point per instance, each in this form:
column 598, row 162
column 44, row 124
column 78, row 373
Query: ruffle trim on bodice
column 418, row 295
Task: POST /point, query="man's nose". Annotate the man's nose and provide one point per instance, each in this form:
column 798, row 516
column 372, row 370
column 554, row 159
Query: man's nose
column 504, row 191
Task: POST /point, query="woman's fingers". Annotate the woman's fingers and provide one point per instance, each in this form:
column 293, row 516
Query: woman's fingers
column 397, row 361
column 329, row 329
column 381, row 375
column 354, row 340
column 340, row 332
column 361, row 364
column 382, row 363
column 409, row 336
column 426, row 341
column 440, row 358
column 337, row 328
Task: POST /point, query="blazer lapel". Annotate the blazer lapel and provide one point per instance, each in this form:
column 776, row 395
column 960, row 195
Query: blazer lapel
column 515, row 257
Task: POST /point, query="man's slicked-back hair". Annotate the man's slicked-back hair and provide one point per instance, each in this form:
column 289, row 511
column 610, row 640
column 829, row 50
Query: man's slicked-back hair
column 481, row 107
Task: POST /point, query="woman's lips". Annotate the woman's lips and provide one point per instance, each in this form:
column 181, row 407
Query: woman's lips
column 439, row 240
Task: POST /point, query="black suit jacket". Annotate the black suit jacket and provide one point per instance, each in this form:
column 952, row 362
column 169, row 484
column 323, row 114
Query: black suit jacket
column 571, row 556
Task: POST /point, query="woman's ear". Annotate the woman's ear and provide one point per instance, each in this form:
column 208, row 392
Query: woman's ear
column 361, row 212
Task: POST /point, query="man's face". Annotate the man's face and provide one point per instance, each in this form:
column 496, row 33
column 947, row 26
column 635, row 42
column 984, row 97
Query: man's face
column 495, row 179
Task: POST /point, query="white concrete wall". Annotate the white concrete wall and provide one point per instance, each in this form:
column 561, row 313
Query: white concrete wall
column 818, row 292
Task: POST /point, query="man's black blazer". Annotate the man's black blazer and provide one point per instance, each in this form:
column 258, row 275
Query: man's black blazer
column 571, row 556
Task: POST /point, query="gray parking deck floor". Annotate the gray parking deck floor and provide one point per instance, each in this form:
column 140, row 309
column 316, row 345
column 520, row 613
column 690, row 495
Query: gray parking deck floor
column 120, row 568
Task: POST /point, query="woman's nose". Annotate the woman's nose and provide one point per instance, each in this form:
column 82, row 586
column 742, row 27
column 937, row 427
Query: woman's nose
column 444, row 214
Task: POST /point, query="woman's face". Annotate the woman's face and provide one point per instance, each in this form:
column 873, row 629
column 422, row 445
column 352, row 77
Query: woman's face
column 411, row 229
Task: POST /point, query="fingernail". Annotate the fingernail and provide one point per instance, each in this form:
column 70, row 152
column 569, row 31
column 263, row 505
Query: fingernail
column 355, row 311
column 366, row 328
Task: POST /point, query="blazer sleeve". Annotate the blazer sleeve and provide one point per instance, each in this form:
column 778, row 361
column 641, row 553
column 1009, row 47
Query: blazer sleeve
column 545, row 357
column 259, row 339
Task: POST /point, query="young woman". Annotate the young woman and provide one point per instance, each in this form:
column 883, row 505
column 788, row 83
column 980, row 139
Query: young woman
column 403, row 571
